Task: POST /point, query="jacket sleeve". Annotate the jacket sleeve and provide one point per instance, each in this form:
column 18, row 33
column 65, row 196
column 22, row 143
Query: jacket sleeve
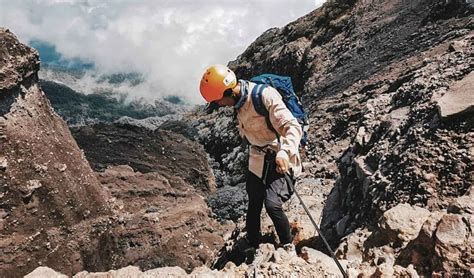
column 284, row 123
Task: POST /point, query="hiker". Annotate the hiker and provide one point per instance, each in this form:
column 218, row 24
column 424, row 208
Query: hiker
column 274, row 160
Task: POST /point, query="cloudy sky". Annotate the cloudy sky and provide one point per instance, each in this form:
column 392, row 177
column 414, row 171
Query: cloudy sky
column 170, row 42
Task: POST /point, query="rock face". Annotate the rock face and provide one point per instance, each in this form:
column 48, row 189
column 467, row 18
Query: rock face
column 387, row 85
column 45, row 181
column 44, row 171
column 218, row 133
column 170, row 154
column 403, row 222
column 56, row 211
column 459, row 100
column 159, row 221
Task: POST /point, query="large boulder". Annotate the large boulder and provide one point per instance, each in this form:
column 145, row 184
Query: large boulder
column 322, row 261
column 403, row 222
column 452, row 243
column 44, row 271
column 459, row 100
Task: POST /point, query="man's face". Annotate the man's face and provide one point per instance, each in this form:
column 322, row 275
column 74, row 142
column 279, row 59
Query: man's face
column 225, row 101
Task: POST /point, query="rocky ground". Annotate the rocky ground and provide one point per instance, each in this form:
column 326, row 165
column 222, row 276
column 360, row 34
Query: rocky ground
column 171, row 155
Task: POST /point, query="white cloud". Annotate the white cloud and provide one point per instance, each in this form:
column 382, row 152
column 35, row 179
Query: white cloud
column 169, row 42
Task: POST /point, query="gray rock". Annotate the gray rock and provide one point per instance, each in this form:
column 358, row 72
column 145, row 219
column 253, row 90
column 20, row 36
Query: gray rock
column 403, row 222
column 150, row 123
column 169, row 272
column 352, row 246
column 457, row 46
column 42, row 271
column 264, row 253
column 462, row 204
column 341, row 225
column 321, row 260
column 451, row 235
column 459, row 100
column 129, row 271
column 400, row 271
column 229, row 202
column 282, row 255
column 3, row 163
column 133, row 271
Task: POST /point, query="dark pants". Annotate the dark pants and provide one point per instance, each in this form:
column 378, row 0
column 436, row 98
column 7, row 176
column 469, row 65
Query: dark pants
column 259, row 194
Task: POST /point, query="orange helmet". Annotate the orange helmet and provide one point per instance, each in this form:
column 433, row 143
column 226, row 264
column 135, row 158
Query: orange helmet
column 215, row 81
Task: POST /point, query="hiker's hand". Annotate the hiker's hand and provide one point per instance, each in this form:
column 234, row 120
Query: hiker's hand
column 282, row 164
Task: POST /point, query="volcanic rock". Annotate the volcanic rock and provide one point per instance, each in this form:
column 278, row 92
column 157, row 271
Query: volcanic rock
column 459, row 100
column 229, row 202
column 377, row 79
column 321, row 260
column 264, row 265
column 43, row 271
column 170, row 154
column 403, row 222
column 372, row 75
column 36, row 205
column 178, row 231
column 452, row 242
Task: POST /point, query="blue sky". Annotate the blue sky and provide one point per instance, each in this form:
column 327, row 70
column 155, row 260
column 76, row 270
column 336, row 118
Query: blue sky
column 170, row 42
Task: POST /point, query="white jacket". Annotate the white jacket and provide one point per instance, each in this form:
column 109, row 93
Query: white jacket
column 253, row 126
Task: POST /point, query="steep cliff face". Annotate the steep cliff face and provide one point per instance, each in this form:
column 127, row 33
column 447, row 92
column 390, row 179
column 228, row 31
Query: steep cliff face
column 167, row 153
column 44, row 171
column 347, row 41
column 56, row 211
column 378, row 78
column 371, row 73
column 45, row 180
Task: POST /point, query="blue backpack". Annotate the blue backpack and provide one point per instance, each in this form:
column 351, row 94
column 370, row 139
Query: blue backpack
column 284, row 86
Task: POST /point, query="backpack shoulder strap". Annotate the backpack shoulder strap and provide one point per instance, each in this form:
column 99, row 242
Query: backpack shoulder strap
column 257, row 99
column 257, row 102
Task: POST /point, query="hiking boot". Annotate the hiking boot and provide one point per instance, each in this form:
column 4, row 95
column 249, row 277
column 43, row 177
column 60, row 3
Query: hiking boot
column 250, row 254
column 290, row 249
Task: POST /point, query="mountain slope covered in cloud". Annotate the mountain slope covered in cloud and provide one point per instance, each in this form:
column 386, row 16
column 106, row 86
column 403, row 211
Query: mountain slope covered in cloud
column 80, row 109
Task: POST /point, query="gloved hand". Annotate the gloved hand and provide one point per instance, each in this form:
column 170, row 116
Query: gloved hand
column 282, row 165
